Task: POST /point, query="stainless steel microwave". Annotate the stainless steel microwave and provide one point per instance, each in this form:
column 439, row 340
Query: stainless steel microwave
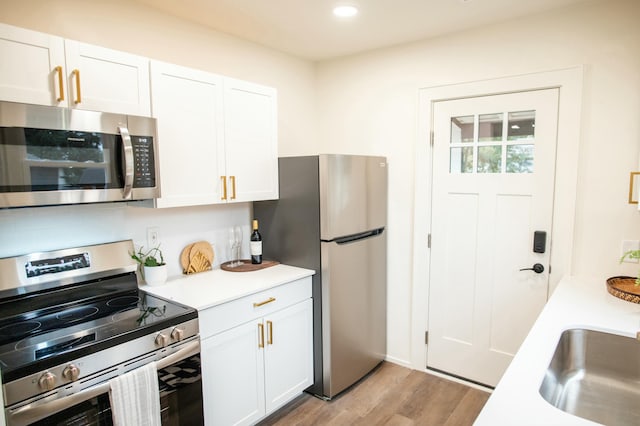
column 51, row 156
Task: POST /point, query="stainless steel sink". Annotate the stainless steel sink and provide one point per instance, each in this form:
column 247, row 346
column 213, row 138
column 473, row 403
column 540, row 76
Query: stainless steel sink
column 596, row 376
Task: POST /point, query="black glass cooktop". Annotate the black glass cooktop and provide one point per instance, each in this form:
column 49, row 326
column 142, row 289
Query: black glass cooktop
column 48, row 328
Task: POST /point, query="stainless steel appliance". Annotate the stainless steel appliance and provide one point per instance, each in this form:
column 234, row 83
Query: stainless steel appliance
column 331, row 217
column 71, row 320
column 51, row 155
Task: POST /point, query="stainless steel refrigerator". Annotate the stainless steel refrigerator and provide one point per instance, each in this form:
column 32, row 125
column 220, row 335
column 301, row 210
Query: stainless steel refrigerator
column 331, row 217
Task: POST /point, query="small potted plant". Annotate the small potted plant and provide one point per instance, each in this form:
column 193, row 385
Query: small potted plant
column 152, row 265
column 632, row 254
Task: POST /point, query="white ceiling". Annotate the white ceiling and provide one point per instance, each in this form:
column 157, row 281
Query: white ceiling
column 307, row 28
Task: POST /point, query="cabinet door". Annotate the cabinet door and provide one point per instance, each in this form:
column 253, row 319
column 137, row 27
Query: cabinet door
column 107, row 80
column 288, row 354
column 33, row 67
column 233, row 376
column 188, row 106
column 251, row 140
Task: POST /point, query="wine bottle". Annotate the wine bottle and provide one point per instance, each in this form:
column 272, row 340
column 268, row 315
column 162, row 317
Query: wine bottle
column 256, row 244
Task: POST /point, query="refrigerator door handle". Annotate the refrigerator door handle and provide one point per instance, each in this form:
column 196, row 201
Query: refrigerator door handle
column 357, row 237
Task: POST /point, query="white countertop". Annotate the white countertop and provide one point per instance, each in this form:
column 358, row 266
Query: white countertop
column 211, row 288
column 576, row 303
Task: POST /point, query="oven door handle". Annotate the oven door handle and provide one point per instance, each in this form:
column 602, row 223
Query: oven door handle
column 29, row 414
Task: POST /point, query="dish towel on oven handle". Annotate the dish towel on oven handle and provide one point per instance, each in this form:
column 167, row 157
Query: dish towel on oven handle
column 135, row 397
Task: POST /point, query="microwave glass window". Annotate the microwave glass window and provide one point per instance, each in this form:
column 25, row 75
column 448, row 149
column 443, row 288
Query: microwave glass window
column 52, row 160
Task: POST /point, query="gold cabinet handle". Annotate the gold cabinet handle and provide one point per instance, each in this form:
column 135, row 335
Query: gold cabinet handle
column 224, row 187
column 260, row 335
column 60, row 83
column 233, row 187
column 78, row 99
column 264, row 302
column 269, row 333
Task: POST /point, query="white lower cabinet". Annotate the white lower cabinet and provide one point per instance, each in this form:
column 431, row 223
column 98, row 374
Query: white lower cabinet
column 254, row 367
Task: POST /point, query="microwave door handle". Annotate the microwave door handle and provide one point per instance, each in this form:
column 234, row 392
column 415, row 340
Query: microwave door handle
column 128, row 162
column 29, row 414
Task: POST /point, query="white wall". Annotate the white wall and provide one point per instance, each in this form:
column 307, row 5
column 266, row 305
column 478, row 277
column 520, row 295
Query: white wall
column 126, row 26
column 368, row 104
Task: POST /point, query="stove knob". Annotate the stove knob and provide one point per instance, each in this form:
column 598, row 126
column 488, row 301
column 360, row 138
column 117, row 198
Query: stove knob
column 177, row 334
column 161, row 340
column 47, row 381
column 71, row 372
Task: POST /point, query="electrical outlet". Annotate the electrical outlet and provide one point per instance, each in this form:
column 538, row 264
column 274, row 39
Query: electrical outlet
column 153, row 236
column 628, row 245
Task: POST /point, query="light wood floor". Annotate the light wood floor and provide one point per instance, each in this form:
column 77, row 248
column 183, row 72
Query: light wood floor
column 390, row 395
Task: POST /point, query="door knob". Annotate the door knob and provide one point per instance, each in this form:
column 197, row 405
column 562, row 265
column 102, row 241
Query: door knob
column 537, row 268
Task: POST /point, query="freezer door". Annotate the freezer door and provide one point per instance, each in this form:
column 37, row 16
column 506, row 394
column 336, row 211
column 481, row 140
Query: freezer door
column 353, row 194
column 354, row 306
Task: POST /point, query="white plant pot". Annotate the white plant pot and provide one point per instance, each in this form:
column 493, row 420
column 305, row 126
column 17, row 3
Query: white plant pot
column 155, row 275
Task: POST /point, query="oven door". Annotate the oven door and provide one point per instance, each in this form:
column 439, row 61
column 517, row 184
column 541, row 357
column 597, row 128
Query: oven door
column 180, row 383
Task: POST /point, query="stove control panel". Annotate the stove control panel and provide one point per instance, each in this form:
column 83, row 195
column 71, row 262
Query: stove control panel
column 72, row 377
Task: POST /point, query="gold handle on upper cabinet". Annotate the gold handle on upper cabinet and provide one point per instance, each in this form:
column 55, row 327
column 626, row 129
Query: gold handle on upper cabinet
column 224, row 187
column 233, row 187
column 260, row 335
column 60, row 83
column 269, row 333
column 264, row 302
column 78, row 99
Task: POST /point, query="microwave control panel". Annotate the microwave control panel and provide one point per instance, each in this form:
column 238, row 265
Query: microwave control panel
column 144, row 162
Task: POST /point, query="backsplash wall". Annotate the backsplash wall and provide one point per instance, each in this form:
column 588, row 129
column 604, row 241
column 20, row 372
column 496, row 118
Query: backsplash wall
column 30, row 230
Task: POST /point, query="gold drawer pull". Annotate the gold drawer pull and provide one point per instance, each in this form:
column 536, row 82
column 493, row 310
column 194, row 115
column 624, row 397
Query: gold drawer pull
column 264, row 302
column 78, row 94
column 60, row 83
column 224, row 187
column 269, row 333
column 260, row 335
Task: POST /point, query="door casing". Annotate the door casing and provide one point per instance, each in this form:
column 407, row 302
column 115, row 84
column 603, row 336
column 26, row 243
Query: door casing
column 569, row 83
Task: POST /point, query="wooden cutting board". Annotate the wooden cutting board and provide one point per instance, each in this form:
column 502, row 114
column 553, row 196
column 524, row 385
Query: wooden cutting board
column 197, row 257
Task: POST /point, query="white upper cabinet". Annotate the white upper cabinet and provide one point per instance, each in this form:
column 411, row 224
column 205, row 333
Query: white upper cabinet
column 32, row 69
column 217, row 137
column 48, row 70
column 251, row 140
column 107, row 80
column 188, row 106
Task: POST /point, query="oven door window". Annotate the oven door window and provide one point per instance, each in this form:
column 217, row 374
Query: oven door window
column 181, row 393
column 53, row 160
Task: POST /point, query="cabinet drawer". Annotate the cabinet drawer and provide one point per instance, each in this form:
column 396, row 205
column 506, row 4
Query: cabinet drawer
column 223, row 317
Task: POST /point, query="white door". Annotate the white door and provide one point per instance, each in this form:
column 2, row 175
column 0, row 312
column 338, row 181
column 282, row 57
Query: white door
column 493, row 177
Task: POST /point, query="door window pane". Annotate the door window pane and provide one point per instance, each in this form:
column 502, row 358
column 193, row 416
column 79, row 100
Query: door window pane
column 490, row 159
column 521, row 125
column 490, row 127
column 520, row 159
column 462, row 129
column 461, row 160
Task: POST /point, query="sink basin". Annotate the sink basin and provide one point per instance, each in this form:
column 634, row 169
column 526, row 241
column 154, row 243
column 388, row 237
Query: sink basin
column 596, row 376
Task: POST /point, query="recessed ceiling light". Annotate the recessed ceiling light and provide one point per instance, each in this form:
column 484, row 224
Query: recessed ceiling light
column 345, row 11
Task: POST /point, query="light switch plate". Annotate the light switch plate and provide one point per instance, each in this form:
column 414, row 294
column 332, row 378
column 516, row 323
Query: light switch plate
column 628, row 245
